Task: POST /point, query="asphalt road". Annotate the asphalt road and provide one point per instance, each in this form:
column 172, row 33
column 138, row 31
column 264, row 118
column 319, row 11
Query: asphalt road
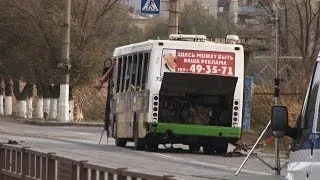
column 82, row 143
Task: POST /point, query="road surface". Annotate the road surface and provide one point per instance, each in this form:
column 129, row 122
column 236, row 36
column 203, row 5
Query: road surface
column 82, row 143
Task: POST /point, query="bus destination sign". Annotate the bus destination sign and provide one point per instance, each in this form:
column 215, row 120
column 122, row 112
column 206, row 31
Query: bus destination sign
column 200, row 62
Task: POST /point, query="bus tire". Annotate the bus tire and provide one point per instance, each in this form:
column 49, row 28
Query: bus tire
column 139, row 143
column 120, row 142
column 222, row 149
column 194, row 147
column 208, row 149
column 152, row 143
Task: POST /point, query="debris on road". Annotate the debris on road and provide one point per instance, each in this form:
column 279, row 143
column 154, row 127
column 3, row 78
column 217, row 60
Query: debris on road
column 12, row 142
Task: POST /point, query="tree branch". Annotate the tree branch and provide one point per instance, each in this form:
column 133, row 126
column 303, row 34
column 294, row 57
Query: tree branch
column 84, row 13
column 301, row 29
column 105, row 8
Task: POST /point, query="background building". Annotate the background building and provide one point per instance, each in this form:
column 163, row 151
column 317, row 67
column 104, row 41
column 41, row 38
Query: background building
column 211, row 5
column 240, row 11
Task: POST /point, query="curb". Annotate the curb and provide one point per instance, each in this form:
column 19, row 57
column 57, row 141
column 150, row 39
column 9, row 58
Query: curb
column 55, row 123
column 41, row 122
column 266, row 155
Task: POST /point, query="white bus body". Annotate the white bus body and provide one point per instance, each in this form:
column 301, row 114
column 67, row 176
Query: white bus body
column 202, row 72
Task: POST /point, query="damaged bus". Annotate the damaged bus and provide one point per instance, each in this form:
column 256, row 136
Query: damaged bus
column 184, row 90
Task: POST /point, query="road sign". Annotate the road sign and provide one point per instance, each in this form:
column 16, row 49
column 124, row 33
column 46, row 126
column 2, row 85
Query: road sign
column 150, row 6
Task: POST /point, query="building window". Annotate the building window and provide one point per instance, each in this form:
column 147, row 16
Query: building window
column 220, row 10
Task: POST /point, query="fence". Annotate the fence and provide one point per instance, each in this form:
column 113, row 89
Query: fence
column 262, row 67
column 24, row 163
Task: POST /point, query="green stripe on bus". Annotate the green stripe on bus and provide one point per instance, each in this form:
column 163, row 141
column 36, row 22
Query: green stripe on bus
column 197, row 130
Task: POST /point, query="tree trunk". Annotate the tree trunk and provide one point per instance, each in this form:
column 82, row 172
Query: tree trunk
column 63, row 103
column 21, row 97
column 8, row 96
column 1, row 96
column 54, row 92
column 22, row 103
column 22, row 108
column 46, row 100
column 71, row 104
column 29, row 91
column 39, row 113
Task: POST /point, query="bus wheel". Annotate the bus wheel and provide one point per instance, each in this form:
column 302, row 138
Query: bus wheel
column 139, row 143
column 222, row 149
column 152, row 143
column 194, row 148
column 120, row 142
column 208, row 149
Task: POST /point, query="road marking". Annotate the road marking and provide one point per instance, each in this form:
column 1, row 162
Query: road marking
column 218, row 166
column 80, row 133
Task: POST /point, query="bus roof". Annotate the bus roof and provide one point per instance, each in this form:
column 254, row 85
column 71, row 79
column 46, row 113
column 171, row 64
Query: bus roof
column 136, row 47
column 147, row 46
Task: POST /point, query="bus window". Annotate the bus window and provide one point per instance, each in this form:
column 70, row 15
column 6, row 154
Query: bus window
column 119, row 69
column 128, row 73
column 137, row 61
column 133, row 71
column 145, row 70
column 139, row 76
column 124, row 73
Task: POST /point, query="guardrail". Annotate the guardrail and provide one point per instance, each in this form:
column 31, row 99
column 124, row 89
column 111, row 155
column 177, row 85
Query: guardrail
column 23, row 163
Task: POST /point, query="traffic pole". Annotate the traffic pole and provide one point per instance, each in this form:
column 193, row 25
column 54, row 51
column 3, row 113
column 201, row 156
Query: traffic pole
column 174, row 17
column 63, row 106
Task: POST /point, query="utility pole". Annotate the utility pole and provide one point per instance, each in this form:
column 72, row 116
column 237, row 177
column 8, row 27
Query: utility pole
column 277, row 89
column 233, row 11
column 277, row 168
column 174, row 17
column 63, row 106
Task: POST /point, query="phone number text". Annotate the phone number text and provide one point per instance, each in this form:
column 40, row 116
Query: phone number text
column 208, row 69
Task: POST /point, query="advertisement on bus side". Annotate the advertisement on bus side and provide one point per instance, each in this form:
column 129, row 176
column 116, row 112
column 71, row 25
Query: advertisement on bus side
column 199, row 62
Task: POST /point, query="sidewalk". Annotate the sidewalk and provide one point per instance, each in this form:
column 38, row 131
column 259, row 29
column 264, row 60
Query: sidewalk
column 260, row 152
column 42, row 122
column 56, row 123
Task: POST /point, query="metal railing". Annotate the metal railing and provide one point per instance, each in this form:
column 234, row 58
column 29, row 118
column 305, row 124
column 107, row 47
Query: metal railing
column 18, row 162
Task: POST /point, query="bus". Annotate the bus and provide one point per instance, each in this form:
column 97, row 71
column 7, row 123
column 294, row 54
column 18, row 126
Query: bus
column 183, row 90
column 304, row 158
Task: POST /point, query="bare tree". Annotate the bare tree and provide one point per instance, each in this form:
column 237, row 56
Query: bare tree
column 31, row 47
column 299, row 30
column 1, row 95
